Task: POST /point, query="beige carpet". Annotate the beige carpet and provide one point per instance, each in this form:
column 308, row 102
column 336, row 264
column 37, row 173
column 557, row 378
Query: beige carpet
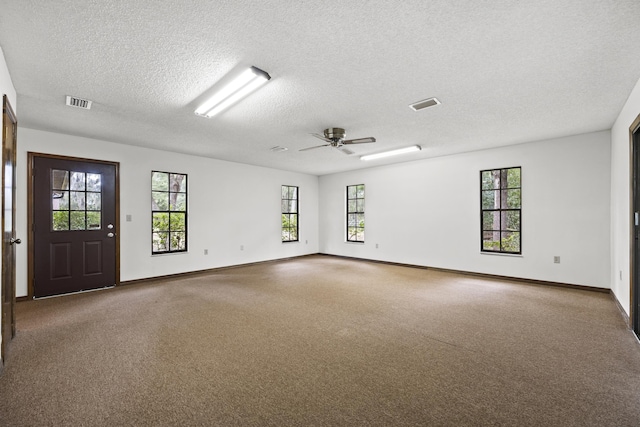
column 323, row 341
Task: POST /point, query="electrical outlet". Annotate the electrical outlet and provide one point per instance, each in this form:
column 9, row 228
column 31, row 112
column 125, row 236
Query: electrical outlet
column 306, row 242
column 242, row 247
column 376, row 246
column 620, row 274
column 556, row 260
column 128, row 217
column 206, row 251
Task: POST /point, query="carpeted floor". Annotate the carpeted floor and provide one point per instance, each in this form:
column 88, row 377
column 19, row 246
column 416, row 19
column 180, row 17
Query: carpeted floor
column 323, row 341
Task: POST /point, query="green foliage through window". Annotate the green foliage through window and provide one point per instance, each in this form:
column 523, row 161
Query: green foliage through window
column 355, row 213
column 169, row 212
column 501, row 203
column 289, row 208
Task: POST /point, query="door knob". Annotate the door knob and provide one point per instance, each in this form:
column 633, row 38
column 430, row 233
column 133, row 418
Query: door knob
column 110, row 234
column 14, row 240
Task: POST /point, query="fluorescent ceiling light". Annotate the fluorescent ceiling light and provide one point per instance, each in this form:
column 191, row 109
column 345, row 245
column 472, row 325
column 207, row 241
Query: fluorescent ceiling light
column 391, row 153
column 237, row 89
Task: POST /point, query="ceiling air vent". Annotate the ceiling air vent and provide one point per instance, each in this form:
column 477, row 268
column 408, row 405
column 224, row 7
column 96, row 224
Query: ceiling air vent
column 421, row 105
column 72, row 101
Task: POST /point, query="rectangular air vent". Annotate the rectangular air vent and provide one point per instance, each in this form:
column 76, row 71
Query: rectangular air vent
column 72, row 101
column 420, row 105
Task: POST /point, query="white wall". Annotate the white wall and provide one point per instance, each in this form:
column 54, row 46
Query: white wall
column 230, row 205
column 620, row 199
column 427, row 212
column 6, row 85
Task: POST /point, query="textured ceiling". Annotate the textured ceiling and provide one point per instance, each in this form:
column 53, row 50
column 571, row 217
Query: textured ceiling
column 506, row 72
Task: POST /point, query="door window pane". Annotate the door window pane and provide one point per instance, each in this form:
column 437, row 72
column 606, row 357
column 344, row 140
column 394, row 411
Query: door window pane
column 78, row 200
column 78, row 220
column 60, row 220
column 94, row 182
column 94, row 201
column 77, row 181
column 59, row 179
column 60, row 200
column 93, row 220
column 70, row 208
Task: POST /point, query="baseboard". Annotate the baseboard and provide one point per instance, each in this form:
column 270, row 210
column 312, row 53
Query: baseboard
column 22, row 299
column 205, row 271
column 468, row 273
column 483, row 275
column 623, row 313
column 445, row 270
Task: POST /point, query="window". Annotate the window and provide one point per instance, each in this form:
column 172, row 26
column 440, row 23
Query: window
column 169, row 212
column 76, row 200
column 289, row 213
column 501, row 197
column 355, row 213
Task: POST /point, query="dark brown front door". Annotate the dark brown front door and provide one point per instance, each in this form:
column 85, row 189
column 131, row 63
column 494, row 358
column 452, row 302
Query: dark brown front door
column 9, row 129
column 75, row 225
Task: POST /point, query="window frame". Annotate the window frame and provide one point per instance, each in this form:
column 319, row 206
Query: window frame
column 169, row 211
column 355, row 212
column 502, row 210
column 290, row 213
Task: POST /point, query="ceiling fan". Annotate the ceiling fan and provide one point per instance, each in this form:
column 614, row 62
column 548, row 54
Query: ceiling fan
column 335, row 138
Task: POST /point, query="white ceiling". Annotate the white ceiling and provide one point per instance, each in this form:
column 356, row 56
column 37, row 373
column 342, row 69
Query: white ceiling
column 506, row 71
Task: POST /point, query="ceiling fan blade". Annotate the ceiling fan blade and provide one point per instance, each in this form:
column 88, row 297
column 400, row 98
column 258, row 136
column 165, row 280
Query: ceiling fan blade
column 317, row 135
column 359, row 140
column 345, row 150
column 311, row 148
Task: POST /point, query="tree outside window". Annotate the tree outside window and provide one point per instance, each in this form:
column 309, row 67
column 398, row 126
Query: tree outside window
column 289, row 216
column 501, row 213
column 355, row 213
column 169, row 212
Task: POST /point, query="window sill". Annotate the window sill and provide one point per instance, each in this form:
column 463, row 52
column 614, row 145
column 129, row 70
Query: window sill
column 170, row 253
column 502, row 254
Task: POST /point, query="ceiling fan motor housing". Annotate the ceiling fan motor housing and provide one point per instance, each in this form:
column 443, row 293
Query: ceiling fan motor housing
column 335, row 133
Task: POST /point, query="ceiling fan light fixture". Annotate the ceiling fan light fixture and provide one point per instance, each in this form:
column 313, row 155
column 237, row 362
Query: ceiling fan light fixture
column 248, row 81
column 426, row 103
column 391, row 153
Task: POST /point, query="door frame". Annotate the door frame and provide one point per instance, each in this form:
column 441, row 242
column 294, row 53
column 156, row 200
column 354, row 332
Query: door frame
column 6, row 107
column 634, row 286
column 31, row 220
